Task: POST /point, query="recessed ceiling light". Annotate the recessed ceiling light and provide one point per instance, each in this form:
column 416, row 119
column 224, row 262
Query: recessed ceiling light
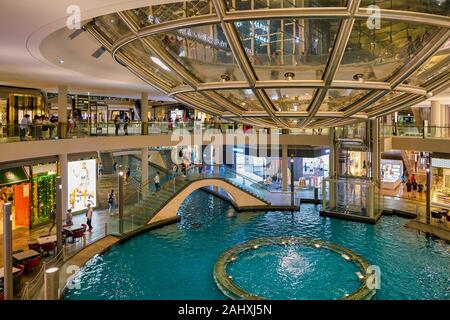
column 359, row 77
column 160, row 63
column 289, row 76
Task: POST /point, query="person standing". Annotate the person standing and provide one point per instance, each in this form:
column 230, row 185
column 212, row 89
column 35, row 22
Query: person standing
column 24, row 125
column 117, row 124
column 156, row 180
column 100, row 169
column 89, row 214
column 69, row 217
column 114, row 168
column 111, row 199
column 125, row 125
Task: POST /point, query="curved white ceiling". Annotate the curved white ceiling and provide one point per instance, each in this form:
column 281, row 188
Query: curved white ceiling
column 34, row 38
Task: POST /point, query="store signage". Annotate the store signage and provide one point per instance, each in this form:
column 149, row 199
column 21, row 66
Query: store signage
column 82, row 184
column 440, row 163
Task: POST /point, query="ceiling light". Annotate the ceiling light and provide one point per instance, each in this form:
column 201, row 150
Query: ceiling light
column 429, row 94
column 61, row 61
column 225, row 77
column 289, row 76
column 160, row 63
column 359, row 77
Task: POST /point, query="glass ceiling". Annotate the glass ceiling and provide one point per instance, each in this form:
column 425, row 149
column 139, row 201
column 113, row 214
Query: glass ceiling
column 282, row 59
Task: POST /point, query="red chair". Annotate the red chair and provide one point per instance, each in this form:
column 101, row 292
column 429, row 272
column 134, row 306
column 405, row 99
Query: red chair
column 47, row 247
column 34, row 246
column 32, row 263
column 17, row 279
column 77, row 234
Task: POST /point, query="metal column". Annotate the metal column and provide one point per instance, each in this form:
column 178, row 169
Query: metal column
column 429, row 184
column 121, row 198
column 59, row 213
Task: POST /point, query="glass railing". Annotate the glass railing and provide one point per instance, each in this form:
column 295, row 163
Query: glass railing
column 416, row 131
column 55, row 131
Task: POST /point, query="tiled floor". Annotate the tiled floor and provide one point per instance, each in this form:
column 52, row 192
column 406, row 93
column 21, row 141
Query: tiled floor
column 23, row 235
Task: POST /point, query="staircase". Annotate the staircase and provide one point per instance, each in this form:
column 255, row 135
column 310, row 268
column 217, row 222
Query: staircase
column 107, row 161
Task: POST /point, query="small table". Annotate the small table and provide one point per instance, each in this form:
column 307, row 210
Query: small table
column 72, row 229
column 25, row 255
column 2, row 272
column 48, row 239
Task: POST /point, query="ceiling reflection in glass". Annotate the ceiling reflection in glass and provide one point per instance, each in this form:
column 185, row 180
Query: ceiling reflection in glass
column 278, row 46
column 378, row 53
column 204, row 50
column 292, row 99
column 278, row 4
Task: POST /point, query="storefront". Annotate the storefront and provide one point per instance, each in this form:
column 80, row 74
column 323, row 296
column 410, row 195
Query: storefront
column 15, row 188
column 391, row 173
column 310, row 167
column 43, row 192
column 354, row 163
column 441, row 183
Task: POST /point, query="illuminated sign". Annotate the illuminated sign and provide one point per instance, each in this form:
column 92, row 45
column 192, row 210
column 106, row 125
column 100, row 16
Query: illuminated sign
column 82, row 186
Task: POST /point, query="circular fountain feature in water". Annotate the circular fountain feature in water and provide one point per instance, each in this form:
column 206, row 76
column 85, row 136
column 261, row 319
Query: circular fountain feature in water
column 271, row 268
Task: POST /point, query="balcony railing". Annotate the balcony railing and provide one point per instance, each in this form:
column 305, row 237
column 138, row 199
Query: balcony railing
column 55, row 131
column 416, row 131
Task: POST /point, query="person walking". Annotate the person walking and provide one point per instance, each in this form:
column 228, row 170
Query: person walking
column 156, row 180
column 414, row 188
column 114, row 168
column 408, row 187
column 420, row 190
column 111, row 199
column 89, row 214
column 53, row 218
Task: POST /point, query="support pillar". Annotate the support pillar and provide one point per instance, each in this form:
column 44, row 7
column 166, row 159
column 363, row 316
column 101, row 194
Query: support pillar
column 435, row 118
column 429, row 171
column 7, row 252
column 284, row 166
column 121, row 198
column 144, row 169
column 62, row 111
column 64, row 174
column 333, row 163
column 144, row 113
column 375, row 152
column 59, row 213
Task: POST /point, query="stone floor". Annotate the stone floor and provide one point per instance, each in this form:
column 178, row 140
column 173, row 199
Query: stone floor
column 23, row 235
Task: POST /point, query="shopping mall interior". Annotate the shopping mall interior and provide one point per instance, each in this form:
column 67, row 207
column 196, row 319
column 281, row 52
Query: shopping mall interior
column 225, row 150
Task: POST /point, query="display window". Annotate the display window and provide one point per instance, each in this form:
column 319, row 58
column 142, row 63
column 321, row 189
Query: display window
column 391, row 173
column 82, row 186
column 441, row 187
column 43, row 192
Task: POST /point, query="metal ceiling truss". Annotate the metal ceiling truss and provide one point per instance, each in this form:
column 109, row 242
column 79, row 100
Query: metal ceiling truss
column 192, row 90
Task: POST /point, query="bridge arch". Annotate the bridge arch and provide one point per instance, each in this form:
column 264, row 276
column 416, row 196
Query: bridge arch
column 241, row 199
